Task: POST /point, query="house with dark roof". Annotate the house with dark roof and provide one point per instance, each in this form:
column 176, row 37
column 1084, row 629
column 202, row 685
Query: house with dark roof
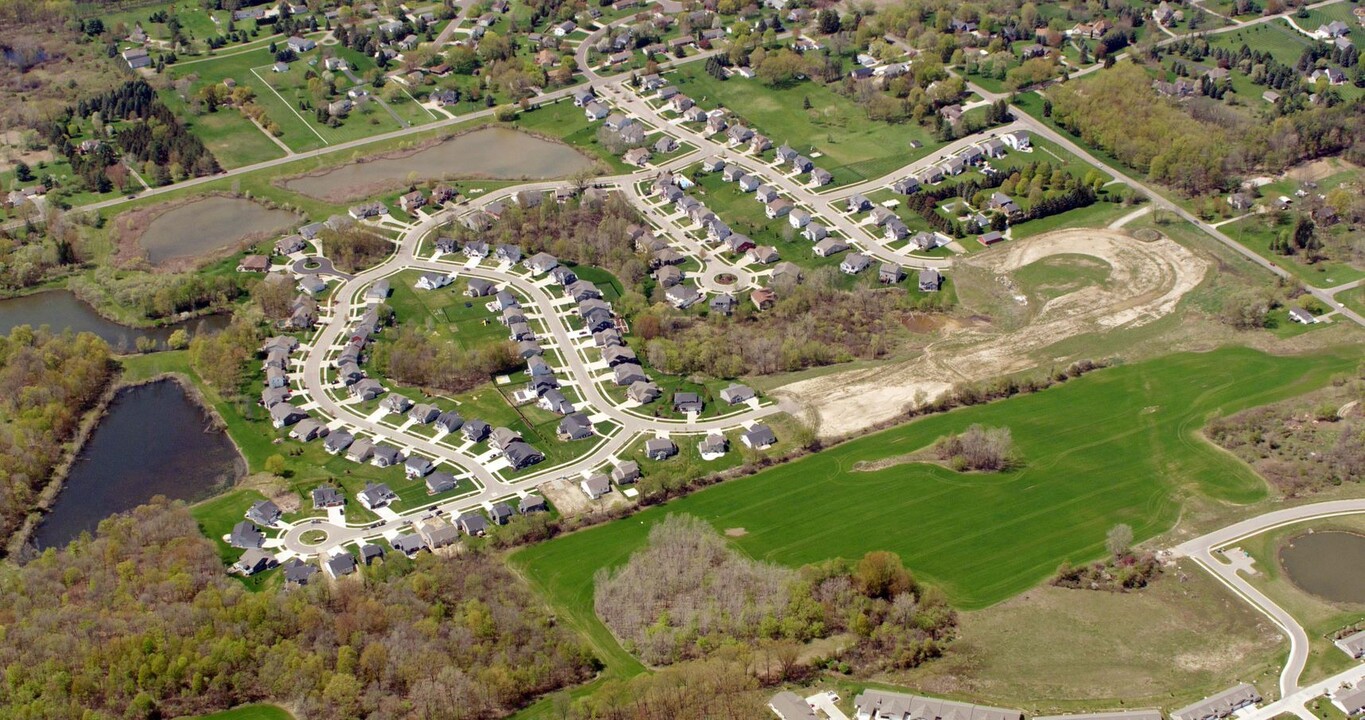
column 439, row 482
column 253, row 561
column 758, row 437
column 376, row 495
column 787, row 705
column 532, row 504
column 245, row 534
column 298, row 572
column 263, row 512
column 660, row 449
column 1220, row 705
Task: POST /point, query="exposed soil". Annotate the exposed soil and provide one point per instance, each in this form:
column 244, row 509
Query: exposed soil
column 1147, row 281
column 735, row 532
column 566, row 496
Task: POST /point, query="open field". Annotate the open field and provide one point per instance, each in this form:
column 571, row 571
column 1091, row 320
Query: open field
column 1057, row 650
column 1319, row 617
column 1131, row 457
column 854, row 148
column 1257, row 232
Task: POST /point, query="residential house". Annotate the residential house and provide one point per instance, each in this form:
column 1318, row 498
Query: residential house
column 830, row 246
column 723, row 304
column 991, row 238
column 713, row 446
column 596, row 110
column 890, row 273
column 376, row 495
column 440, row 482
column 473, row 523
column 137, row 58
column 595, row 486
column 308, row 430
column 643, row 392
column 298, row 572
column 383, row 456
column 245, row 534
column 660, row 449
column 628, row 374
column 857, row 203
column 521, row 455
column 360, row 450
column 930, row 280
column 855, row 263
column 764, row 254
column 1353, row 644
column 1018, row 140
column 778, row 208
column 682, row 296
column 366, row 389
column 821, row 177
column 532, row 504
column 475, row 430
column 786, row 273
column 787, row 705
column 758, row 437
column 283, row 415
column 328, row 496
column 736, row 394
column 1221, row 705
column 575, row 426
column 433, row 281
column 435, row 532
column 542, row 263
column 253, row 561
column 626, row 473
column 815, row 232
column 883, row 705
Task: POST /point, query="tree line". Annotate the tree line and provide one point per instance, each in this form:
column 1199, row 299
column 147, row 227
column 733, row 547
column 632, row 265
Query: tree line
column 53, row 380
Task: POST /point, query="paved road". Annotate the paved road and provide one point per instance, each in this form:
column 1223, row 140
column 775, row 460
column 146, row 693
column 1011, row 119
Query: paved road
column 1202, row 550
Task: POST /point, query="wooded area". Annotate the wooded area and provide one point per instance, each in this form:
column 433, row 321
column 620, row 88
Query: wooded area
column 414, row 358
column 52, row 381
column 689, row 595
column 141, row 622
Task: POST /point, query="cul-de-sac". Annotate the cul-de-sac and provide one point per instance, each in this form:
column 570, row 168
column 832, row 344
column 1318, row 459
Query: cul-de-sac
column 682, row 360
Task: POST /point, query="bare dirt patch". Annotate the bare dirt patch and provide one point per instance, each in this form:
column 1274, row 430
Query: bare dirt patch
column 735, row 532
column 1146, row 282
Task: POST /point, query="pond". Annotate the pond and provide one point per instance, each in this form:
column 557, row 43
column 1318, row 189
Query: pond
column 206, row 226
column 155, row 440
column 491, row 153
column 60, row 309
column 1327, row 564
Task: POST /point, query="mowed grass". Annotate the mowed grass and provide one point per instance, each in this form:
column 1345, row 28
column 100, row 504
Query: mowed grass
column 1116, row 446
column 249, row 712
column 854, row 148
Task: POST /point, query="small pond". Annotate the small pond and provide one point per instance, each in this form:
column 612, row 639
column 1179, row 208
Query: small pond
column 492, row 153
column 206, row 226
column 155, row 440
column 1329, row 564
column 59, row 310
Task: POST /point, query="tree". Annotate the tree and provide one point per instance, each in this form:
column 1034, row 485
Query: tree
column 881, row 574
column 829, row 21
column 179, row 340
column 1119, row 540
column 22, row 172
column 275, row 465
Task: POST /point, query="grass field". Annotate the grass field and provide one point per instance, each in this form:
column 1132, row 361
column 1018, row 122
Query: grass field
column 248, row 712
column 1257, row 232
column 1118, row 446
column 853, row 147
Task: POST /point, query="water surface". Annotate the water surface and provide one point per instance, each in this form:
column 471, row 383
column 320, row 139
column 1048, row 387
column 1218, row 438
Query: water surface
column 206, row 226
column 1328, row 564
column 493, row 153
column 154, row 440
column 60, row 310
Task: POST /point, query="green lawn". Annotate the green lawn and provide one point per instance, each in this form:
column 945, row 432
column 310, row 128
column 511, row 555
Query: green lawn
column 1256, row 233
column 1118, row 446
column 854, row 148
column 249, row 712
column 233, row 139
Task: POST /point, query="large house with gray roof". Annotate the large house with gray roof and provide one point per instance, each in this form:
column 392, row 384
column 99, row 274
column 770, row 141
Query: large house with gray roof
column 1219, row 706
column 882, row 705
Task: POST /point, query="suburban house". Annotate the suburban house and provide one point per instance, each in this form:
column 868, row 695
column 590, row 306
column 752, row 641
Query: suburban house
column 643, row 392
column 1221, row 705
column 475, row 430
column 736, row 394
column 263, row 512
column 628, row 374
column 687, row 402
column 764, row 255
column 433, row 281
column 478, row 287
column 435, row 532
column 626, row 473
column 366, row 389
column 298, row 572
column 375, row 496
column 857, row 203
column 383, row 456
column 246, row 535
column 308, row 430
column 758, row 437
column 660, row 449
column 1018, row 140
column 1349, row 700
column 821, row 177
column 883, row 705
column 1353, row 644
column 137, row 58
column 473, row 523
column 930, row 280
column 723, row 303
column 439, row 482
column 412, row 201
column 991, row 237
column 890, row 273
column 830, row 246
column 360, row 450
column 1302, row 317
column 596, row 110
column 417, row 466
column 521, row 455
column 541, row 263
column 532, row 504
column 254, row 263
column 855, row 263
column 254, row 561
column 712, row 446
column 283, row 415
column 778, row 208
column 595, row 486
column 787, row 705
column 500, row 513
column 328, row 496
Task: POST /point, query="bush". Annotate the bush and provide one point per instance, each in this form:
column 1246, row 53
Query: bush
column 978, row 448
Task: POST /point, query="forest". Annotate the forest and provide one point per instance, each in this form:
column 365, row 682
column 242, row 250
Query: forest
column 413, row 358
column 158, row 296
column 687, row 595
column 353, row 249
column 53, row 381
column 141, row 622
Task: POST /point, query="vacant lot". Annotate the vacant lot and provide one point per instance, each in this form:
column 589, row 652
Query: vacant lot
column 1057, row 650
column 1117, row 446
column 1143, row 283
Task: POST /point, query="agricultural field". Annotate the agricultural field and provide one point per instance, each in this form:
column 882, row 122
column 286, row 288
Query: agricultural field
column 981, row 538
column 851, row 147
